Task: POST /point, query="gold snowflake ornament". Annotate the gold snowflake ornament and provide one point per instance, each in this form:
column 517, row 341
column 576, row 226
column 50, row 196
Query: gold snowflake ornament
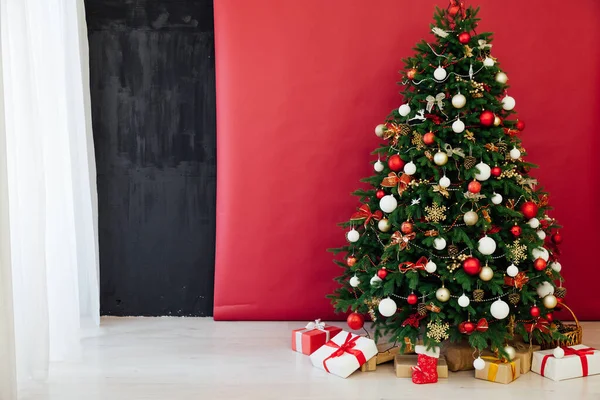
column 435, row 213
column 437, row 331
column 417, row 140
column 517, row 252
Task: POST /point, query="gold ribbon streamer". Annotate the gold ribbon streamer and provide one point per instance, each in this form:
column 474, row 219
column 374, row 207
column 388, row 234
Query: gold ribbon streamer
column 451, row 152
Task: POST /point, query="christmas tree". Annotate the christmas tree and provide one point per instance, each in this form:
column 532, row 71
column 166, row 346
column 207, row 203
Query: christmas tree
column 453, row 239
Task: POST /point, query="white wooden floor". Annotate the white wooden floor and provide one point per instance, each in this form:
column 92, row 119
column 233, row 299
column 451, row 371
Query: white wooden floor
column 197, row 358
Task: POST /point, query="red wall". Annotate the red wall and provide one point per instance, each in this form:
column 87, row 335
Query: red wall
column 302, row 84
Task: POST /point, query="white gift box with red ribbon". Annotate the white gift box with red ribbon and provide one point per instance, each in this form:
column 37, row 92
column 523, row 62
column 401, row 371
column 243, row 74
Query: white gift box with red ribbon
column 344, row 354
column 578, row 361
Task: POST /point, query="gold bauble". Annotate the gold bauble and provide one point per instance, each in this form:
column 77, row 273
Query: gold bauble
column 550, row 301
column 471, row 218
column 440, row 158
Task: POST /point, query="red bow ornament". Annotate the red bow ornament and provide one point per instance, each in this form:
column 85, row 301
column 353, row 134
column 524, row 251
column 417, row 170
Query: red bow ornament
column 346, row 347
column 364, row 212
column 402, row 240
column 413, row 320
column 393, row 180
column 482, row 326
column 541, row 324
column 410, row 266
column 518, row 281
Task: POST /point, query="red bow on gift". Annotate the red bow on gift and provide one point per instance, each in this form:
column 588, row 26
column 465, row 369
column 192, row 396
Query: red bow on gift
column 346, row 347
column 364, row 212
column 402, row 240
column 541, row 324
column 413, row 320
column 393, row 179
column 518, row 281
column 409, row 266
column 482, row 326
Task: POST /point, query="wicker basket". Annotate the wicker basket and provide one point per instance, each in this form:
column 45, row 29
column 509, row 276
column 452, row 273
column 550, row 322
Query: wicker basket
column 572, row 332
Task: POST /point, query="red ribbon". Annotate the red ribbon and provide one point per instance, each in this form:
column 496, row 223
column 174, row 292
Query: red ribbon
column 393, row 179
column 413, row 320
column 482, row 326
column 420, row 264
column 364, row 212
column 582, row 353
column 542, row 324
column 402, row 240
column 346, row 347
column 435, row 118
column 518, row 281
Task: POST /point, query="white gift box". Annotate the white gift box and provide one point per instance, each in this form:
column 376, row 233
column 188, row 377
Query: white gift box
column 585, row 362
column 344, row 354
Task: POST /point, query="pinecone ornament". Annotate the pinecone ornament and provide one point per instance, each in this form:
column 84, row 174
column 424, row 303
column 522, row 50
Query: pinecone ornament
column 514, row 298
column 560, row 292
column 422, row 309
column 502, row 147
column 470, row 162
column 478, row 294
column 404, row 129
column 453, row 250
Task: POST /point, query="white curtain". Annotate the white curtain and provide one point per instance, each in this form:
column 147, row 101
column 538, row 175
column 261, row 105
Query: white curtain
column 51, row 182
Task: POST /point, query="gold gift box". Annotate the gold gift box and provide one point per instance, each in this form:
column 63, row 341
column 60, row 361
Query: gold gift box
column 403, row 364
column 499, row 371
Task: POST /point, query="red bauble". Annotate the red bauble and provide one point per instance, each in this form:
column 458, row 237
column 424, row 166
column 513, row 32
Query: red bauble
column 355, row 321
column 350, row 261
column 411, row 73
column 549, row 317
column 529, row 209
column 516, row 230
column 472, row 266
column 487, row 118
column 395, row 163
column 540, row 264
column 535, row 311
column 429, row 138
column 556, row 238
column 474, row 187
column 382, row 273
column 464, row 37
column 469, row 327
column 496, row 171
column 380, row 193
column 412, row 299
column 407, row 227
column 520, row 125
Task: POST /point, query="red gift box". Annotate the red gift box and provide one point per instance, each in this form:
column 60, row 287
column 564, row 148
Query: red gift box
column 308, row 339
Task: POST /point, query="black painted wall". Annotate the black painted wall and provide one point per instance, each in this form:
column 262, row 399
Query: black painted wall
column 153, row 108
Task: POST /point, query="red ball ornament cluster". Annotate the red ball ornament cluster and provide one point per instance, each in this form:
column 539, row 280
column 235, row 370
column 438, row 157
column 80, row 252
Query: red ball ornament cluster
column 487, row 118
column 474, row 187
column 382, row 273
column 535, row 311
column 472, row 266
column 355, row 321
column 429, row 138
column 395, row 163
column 496, row 171
column 540, row 264
column 468, row 327
column 556, row 238
column 380, row 194
column 516, row 230
column 520, row 125
column 464, row 37
column 529, row 209
column 412, row 299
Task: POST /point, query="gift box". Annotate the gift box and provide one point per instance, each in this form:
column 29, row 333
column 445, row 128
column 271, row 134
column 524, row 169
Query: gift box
column 344, row 354
column 524, row 352
column 313, row 336
column 459, row 356
column 499, row 371
column 403, row 365
column 386, row 353
column 578, row 361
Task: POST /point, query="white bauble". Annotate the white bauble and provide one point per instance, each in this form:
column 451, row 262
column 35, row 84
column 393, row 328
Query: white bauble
column 353, row 235
column 388, row 203
column 556, row 266
column 484, row 172
column 410, row 168
column 501, row 78
column 515, row 153
column 380, row 130
column 499, row 309
column 440, row 158
column 540, row 252
column 375, row 280
column 384, row 225
column 550, row 301
column 439, row 243
column 479, row 364
column 379, row 166
column 512, row 270
column 471, row 218
column 508, row 103
column 442, row 294
column 387, row 307
column 445, row 182
column 496, row 198
column 545, row 289
column 430, row 267
column 354, row 281
column 486, row 246
column 489, row 62
column 534, row 223
column 464, row 301
column 404, row 110
column 541, row 234
column 511, row 352
column 558, row 352
column 459, row 101
column 440, row 74
column 458, row 126
column 486, row 274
